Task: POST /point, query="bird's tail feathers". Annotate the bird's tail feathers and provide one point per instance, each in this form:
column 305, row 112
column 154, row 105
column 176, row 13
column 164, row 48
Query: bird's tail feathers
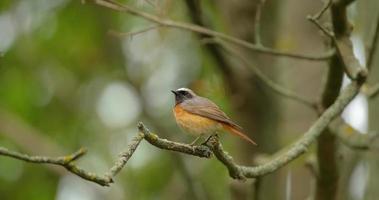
column 237, row 132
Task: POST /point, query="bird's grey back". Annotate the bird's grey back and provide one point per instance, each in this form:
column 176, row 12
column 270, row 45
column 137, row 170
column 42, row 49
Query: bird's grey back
column 206, row 108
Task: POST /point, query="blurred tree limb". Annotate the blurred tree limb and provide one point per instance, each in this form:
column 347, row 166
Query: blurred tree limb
column 373, row 46
column 352, row 137
column 257, row 24
column 199, row 29
column 270, row 83
column 371, row 91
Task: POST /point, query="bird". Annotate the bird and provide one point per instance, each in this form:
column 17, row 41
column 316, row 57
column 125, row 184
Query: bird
column 199, row 116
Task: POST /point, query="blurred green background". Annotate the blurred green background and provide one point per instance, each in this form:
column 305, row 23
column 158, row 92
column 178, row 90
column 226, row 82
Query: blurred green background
column 66, row 83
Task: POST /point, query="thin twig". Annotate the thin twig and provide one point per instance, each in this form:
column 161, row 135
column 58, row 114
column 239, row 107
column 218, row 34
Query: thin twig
column 198, row 29
column 327, row 5
column 271, row 84
column 63, row 161
column 133, row 33
column 327, row 32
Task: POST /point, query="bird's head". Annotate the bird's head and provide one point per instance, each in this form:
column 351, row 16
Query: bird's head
column 183, row 94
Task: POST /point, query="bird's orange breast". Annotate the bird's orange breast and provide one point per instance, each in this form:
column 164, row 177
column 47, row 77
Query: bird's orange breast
column 195, row 124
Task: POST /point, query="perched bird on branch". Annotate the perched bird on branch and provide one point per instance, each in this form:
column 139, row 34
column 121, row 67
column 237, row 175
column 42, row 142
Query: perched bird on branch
column 200, row 116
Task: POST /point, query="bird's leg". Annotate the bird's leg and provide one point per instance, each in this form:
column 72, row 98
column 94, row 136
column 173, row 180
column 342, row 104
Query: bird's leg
column 197, row 139
column 206, row 141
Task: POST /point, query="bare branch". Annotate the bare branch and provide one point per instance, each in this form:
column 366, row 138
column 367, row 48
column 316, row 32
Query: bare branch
column 200, row 151
column 64, row 160
column 327, row 5
column 234, row 169
column 352, row 67
column 68, row 162
column 125, row 156
column 199, row 29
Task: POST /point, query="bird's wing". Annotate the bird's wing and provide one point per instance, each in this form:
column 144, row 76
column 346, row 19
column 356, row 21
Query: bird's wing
column 206, row 108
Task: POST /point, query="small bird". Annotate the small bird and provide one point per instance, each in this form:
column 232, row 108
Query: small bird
column 200, row 116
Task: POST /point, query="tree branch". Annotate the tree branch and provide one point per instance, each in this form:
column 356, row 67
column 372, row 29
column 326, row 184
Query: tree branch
column 301, row 146
column 199, row 29
column 124, row 156
column 213, row 145
column 242, row 172
column 68, row 162
column 342, row 42
column 200, row 151
column 63, row 161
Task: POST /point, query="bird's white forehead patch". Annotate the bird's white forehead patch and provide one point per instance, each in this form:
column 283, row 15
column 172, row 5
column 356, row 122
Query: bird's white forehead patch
column 184, row 89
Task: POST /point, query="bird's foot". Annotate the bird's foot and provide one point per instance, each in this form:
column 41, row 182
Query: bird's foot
column 207, row 140
column 193, row 143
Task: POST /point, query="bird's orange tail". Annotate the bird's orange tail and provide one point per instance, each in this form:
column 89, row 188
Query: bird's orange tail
column 238, row 133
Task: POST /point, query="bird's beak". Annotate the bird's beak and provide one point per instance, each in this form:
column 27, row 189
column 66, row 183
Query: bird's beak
column 173, row 91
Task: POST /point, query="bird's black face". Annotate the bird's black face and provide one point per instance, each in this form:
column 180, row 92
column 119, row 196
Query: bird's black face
column 182, row 94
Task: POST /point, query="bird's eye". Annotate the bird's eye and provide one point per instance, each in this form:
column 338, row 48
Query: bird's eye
column 185, row 94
